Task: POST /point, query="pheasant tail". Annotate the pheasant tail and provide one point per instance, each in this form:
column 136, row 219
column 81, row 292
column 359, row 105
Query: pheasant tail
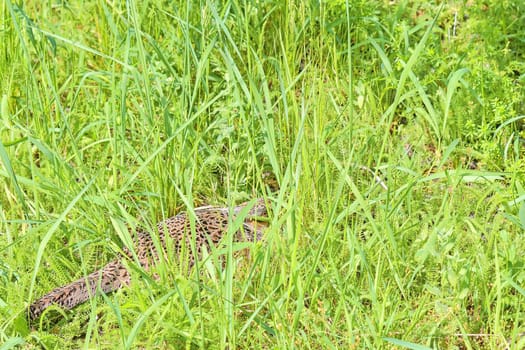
column 111, row 277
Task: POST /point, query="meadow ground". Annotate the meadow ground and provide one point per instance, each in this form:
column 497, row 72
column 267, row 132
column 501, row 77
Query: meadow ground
column 394, row 130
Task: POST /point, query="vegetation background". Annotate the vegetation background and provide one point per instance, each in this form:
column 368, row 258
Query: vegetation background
column 393, row 128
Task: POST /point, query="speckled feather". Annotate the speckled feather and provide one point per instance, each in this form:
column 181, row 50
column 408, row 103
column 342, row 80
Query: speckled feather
column 211, row 224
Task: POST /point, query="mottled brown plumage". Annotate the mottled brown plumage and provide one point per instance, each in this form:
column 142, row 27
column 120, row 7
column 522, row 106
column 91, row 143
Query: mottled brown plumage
column 211, row 224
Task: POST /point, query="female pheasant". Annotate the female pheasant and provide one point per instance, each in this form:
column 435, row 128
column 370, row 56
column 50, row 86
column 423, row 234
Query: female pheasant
column 211, row 224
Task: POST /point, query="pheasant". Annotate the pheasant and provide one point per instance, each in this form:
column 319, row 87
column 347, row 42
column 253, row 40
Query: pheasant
column 211, row 224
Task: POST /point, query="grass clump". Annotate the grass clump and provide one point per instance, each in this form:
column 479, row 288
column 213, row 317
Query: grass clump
column 393, row 129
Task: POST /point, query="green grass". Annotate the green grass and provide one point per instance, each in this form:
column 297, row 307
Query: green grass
column 394, row 129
